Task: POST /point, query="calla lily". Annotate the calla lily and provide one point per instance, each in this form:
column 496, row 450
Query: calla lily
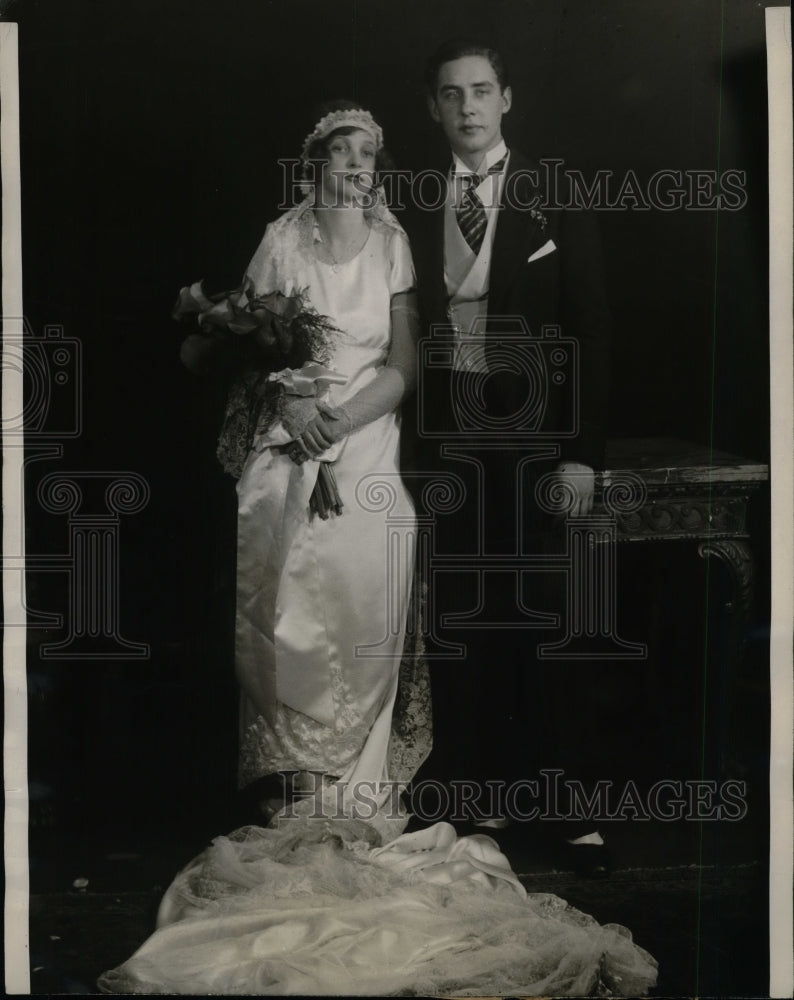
column 286, row 307
column 266, row 410
column 242, row 323
column 284, row 329
column 191, row 300
column 265, row 337
column 309, row 380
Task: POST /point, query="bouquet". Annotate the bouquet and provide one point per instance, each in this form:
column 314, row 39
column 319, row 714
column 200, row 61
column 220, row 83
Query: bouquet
column 283, row 345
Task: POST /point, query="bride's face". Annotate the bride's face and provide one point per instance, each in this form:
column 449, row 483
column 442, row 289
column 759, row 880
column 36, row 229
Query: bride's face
column 349, row 172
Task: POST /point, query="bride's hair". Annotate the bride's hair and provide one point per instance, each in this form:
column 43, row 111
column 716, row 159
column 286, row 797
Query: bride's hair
column 318, row 150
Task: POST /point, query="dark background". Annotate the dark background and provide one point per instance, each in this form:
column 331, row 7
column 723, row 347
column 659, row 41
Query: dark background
column 150, row 132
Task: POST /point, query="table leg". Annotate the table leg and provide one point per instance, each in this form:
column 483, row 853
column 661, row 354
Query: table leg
column 737, row 557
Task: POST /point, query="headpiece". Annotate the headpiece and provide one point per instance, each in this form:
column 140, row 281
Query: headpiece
column 352, row 118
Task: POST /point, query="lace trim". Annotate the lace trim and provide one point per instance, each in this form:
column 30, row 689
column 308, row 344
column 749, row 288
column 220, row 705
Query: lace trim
column 311, row 894
column 412, row 720
column 237, row 431
column 296, row 743
column 293, row 237
column 299, row 743
column 357, row 117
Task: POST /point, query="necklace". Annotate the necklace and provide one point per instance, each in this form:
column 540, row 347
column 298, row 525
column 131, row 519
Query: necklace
column 350, row 249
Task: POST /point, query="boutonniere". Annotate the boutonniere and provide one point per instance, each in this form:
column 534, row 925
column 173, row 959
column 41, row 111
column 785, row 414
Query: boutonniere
column 537, row 216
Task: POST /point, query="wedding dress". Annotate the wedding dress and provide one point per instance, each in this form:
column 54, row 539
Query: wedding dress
column 332, row 898
column 322, row 604
column 311, row 908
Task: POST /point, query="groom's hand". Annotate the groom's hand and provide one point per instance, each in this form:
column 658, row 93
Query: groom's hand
column 577, row 481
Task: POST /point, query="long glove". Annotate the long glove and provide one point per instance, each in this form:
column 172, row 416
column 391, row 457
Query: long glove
column 382, row 395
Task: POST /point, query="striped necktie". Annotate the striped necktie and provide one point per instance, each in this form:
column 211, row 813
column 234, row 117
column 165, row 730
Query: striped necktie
column 470, row 212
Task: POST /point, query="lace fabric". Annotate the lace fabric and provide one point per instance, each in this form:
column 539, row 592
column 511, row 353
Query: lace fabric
column 298, row 742
column 412, row 719
column 311, row 909
column 281, row 260
column 237, row 430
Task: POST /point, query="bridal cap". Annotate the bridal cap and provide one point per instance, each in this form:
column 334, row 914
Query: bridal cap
column 347, row 118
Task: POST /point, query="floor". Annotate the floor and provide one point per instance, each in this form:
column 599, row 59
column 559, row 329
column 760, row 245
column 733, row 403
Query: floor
column 110, row 824
column 693, row 894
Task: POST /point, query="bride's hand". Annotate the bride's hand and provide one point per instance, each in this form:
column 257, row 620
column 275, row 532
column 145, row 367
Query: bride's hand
column 328, row 426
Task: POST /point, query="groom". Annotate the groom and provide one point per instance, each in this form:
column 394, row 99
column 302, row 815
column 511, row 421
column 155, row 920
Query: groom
column 497, row 263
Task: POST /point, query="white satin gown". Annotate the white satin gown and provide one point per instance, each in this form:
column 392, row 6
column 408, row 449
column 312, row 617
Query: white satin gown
column 322, row 604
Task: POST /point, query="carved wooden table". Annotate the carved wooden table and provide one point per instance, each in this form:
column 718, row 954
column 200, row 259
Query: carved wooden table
column 661, row 489
column 653, row 490
column 685, row 491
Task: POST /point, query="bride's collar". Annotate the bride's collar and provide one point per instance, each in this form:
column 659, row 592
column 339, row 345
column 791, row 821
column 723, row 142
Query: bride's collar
column 379, row 213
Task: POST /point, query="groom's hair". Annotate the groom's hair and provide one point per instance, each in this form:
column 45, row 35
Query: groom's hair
column 457, row 48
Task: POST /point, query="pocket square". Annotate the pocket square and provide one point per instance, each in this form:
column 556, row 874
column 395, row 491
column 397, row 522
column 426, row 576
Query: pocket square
column 548, row 247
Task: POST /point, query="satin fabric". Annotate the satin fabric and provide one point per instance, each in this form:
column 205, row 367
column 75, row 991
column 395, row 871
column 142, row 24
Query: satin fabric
column 321, row 605
column 311, row 909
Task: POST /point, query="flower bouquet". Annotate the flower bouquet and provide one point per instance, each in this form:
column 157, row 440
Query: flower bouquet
column 283, row 344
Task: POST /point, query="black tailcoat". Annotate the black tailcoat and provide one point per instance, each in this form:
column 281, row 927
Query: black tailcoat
column 564, row 288
column 481, row 705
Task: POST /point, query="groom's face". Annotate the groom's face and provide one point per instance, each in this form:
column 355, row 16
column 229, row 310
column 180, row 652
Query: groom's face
column 469, row 104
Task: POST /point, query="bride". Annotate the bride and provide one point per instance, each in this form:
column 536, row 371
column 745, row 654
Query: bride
column 331, row 896
column 322, row 603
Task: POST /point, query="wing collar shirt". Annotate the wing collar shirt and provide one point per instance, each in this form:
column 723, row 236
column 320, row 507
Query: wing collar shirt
column 466, row 274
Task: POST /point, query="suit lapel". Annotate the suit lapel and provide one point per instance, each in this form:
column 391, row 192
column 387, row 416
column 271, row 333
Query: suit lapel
column 426, row 228
column 428, row 249
column 517, row 236
column 516, row 231
column 439, row 287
